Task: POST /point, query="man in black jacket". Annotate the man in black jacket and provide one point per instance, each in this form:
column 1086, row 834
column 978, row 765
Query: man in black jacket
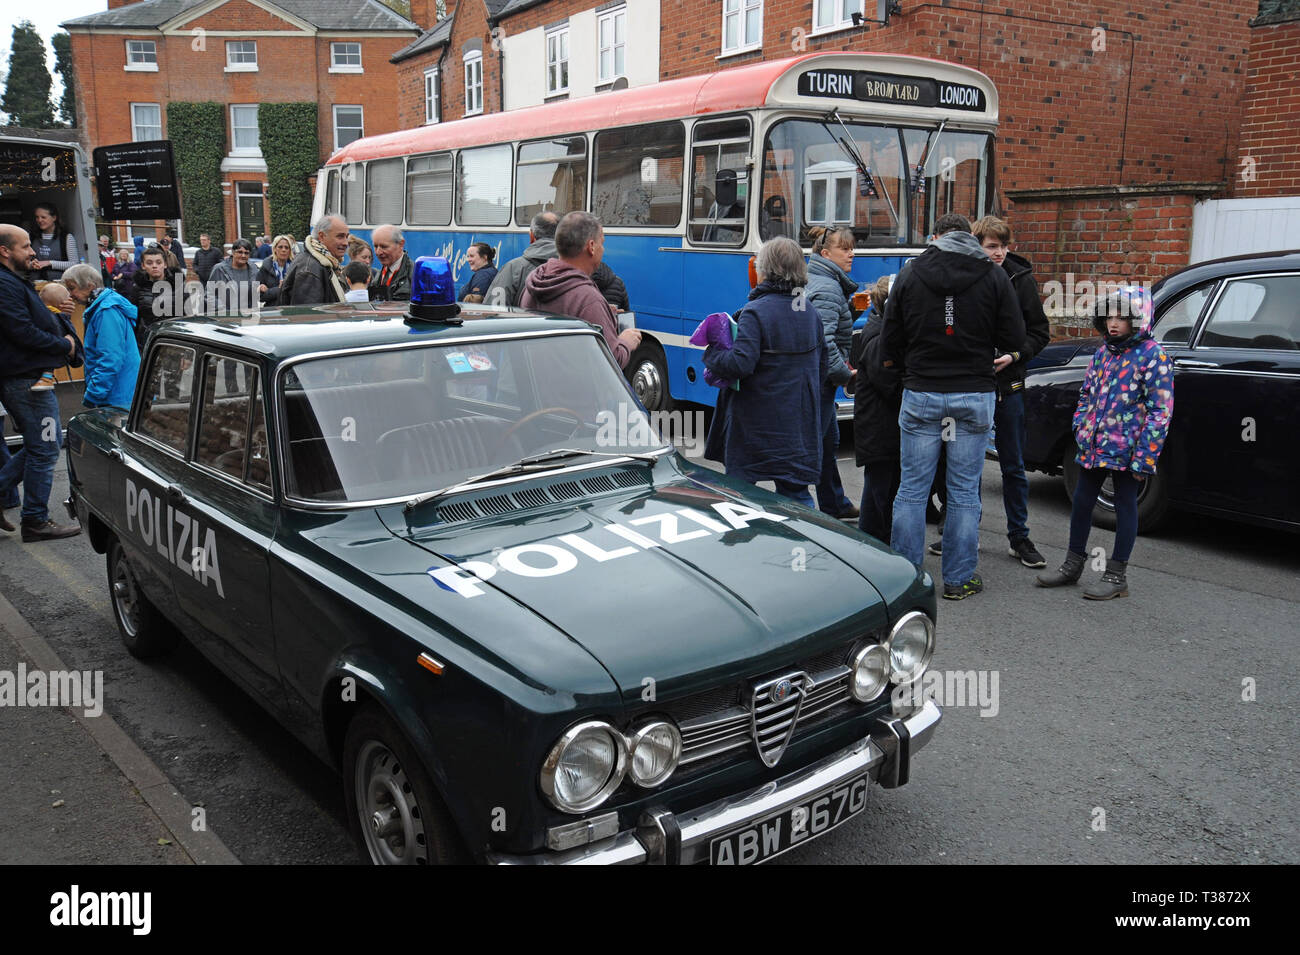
column 1009, row 418
column 206, row 258
column 949, row 314
column 31, row 342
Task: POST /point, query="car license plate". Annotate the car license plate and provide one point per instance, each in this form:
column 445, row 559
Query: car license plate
column 790, row 827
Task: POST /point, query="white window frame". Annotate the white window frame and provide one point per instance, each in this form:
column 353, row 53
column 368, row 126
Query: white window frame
column 140, row 65
column 473, row 61
column 335, row 116
column 840, row 15
column 741, row 10
column 611, row 16
column 136, row 126
column 244, row 150
column 829, row 174
column 336, row 66
column 240, row 66
column 431, row 96
column 557, row 56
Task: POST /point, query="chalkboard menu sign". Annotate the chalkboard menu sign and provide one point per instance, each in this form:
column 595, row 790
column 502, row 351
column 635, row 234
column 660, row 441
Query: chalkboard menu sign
column 138, row 181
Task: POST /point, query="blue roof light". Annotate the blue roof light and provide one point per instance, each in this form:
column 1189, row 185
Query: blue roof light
column 433, row 293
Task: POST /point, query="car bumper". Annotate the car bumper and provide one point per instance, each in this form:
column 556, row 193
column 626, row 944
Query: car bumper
column 666, row 838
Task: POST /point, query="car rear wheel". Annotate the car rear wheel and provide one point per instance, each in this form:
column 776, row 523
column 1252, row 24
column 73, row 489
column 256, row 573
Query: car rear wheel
column 1152, row 496
column 647, row 371
column 395, row 811
column 145, row 632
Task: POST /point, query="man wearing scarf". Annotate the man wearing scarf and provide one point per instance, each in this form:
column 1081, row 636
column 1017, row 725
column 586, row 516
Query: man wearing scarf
column 315, row 276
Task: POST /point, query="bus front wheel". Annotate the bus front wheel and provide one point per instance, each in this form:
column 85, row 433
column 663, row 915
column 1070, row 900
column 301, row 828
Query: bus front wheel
column 647, row 371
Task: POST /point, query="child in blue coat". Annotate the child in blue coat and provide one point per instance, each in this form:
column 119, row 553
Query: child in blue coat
column 1125, row 405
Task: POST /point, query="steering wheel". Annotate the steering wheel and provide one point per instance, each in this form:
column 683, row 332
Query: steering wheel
column 533, row 416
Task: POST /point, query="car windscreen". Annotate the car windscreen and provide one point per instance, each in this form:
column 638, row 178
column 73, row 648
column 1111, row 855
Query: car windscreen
column 387, row 424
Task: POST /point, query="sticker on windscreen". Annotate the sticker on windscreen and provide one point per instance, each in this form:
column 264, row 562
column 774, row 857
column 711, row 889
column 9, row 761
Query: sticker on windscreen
column 480, row 362
column 459, row 362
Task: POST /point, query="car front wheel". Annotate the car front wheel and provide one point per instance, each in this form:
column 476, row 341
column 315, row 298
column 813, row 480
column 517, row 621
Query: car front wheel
column 1152, row 496
column 145, row 632
column 394, row 809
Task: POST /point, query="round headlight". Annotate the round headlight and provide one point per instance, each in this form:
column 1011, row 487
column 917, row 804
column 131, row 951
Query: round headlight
column 584, row 767
column 870, row 673
column 655, row 747
column 911, row 644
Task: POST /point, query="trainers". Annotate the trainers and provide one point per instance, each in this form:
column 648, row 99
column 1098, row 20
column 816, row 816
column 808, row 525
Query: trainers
column 936, row 548
column 1025, row 551
column 962, row 591
column 44, row 383
column 49, row 531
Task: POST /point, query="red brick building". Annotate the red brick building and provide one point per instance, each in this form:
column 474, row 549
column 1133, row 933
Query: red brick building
column 453, row 69
column 1268, row 163
column 136, row 57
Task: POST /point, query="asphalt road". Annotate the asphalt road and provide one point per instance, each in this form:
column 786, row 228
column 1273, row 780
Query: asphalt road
column 1119, row 732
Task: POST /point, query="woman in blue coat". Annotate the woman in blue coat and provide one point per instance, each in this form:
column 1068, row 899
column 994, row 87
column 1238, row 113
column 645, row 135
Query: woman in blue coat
column 112, row 355
column 771, row 428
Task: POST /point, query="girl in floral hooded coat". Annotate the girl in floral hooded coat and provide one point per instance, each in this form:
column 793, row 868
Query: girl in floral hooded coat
column 1125, row 405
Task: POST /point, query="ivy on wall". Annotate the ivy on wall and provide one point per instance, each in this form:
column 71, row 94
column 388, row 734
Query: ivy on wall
column 198, row 131
column 291, row 148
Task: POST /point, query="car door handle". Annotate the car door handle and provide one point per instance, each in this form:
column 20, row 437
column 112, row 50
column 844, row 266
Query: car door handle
column 115, row 455
column 175, row 494
column 1190, row 363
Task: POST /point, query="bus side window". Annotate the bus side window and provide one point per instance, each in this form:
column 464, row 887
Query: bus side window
column 428, row 190
column 332, row 192
column 638, row 179
column 483, row 185
column 353, row 193
column 385, row 190
column 720, row 182
column 550, row 176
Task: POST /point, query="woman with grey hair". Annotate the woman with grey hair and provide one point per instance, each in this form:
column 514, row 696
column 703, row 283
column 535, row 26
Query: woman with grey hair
column 770, row 429
column 112, row 354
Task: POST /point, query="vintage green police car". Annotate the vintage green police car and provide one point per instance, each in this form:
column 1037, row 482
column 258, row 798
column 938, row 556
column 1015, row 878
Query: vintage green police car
column 455, row 560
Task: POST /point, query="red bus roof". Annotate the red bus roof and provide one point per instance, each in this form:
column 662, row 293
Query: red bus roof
column 741, row 87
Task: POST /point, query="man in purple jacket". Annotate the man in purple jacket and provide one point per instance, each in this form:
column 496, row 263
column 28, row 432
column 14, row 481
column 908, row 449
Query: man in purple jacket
column 563, row 286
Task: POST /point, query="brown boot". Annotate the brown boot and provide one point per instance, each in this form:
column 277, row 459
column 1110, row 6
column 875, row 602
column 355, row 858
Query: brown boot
column 49, row 531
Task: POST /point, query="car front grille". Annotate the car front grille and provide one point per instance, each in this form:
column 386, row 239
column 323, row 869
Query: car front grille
column 722, row 721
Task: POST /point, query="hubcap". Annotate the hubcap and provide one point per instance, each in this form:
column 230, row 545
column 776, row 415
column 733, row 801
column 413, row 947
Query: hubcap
column 391, row 818
column 126, row 598
column 648, row 385
column 1107, row 494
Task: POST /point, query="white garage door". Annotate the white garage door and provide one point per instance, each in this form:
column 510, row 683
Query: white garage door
column 1238, row 226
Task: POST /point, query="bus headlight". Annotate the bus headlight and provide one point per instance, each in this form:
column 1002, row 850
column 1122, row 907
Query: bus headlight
column 910, row 645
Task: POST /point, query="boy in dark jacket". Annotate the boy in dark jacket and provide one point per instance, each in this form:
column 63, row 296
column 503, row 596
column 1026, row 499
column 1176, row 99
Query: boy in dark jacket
column 876, row 402
column 1009, row 416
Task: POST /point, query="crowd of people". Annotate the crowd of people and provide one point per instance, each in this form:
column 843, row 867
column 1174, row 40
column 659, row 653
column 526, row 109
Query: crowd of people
column 936, row 372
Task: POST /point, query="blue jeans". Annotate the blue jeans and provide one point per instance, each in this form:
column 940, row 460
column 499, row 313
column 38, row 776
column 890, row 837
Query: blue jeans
column 830, row 491
column 1009, row 439
column 796, row 492
column 928, row 418
column 36, row 417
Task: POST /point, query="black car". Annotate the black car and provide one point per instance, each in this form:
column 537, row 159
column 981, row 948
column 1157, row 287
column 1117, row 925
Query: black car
column 1232, row 328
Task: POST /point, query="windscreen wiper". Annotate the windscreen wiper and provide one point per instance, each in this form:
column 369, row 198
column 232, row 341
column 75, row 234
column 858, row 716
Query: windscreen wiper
column 918, row 183
column 868, row 180
column 546, row 461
